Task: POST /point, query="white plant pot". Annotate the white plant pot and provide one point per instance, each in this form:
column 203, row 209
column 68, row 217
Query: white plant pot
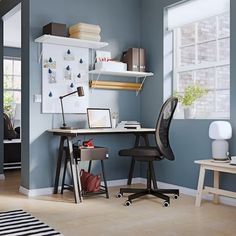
column 189, row 112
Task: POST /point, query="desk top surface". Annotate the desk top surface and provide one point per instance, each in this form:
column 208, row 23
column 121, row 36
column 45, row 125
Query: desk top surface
column 101, row 131
column 212, row 163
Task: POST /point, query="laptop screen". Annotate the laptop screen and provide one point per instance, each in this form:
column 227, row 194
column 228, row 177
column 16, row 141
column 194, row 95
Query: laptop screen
column 99, row 117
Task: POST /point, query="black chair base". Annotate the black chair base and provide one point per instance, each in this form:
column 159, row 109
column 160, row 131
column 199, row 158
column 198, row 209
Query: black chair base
column 138, row 192
column 151, row 180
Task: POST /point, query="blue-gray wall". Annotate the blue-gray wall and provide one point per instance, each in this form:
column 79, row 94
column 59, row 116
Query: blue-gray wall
column 120, row 23
column 189, row 138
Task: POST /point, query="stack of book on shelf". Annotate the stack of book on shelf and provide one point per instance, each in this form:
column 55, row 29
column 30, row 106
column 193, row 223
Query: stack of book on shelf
column 85, row 31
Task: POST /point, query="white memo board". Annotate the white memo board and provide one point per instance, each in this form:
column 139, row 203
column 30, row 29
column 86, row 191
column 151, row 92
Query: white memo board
column 64, row 68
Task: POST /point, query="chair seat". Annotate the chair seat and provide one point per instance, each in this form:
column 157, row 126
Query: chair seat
column 141, row 152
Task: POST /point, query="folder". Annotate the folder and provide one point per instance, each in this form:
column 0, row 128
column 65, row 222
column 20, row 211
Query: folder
column 135, row 59
column 142, row 60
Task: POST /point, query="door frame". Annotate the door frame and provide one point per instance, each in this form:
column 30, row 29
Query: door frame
column 5, row 7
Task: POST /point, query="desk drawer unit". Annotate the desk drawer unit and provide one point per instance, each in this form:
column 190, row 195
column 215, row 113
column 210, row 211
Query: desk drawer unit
column 90, row 154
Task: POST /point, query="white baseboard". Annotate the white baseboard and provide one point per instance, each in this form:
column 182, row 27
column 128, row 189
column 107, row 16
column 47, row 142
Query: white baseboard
column 115, row 183
column 2, row 177
column 36, row 192
column 48, row 191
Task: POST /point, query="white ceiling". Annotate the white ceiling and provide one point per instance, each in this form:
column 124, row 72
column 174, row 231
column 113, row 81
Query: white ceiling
column 12, row 28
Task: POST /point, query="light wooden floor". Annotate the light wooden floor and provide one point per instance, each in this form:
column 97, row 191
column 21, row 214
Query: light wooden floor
column 99, row 216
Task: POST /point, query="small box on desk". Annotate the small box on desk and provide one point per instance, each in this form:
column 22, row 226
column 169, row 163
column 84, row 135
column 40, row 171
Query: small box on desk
column 56, row 29
column 90, row 154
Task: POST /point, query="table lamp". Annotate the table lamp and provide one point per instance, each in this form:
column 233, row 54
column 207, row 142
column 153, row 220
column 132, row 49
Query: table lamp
column 80, row 93
column 220, row 131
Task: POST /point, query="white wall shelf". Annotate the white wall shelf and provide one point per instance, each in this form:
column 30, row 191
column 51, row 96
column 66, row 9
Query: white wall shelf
column 119, row 85
column 133, row 74
column 50, row 39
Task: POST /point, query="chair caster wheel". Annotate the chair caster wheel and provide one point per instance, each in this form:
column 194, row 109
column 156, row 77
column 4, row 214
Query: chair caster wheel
column 128, row 203
column 176, row 196
column 166, row 204
column 119, row 195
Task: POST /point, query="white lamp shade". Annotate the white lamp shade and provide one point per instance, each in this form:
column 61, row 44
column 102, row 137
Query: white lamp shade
column 220, row 130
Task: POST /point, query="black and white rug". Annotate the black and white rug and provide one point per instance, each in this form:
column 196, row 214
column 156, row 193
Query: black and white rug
column 19, row 223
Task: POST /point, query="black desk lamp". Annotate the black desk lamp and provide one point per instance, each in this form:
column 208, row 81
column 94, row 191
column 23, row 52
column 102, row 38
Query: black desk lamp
column 80, row 92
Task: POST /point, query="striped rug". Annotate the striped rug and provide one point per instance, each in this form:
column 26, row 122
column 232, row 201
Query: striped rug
column 19, row 223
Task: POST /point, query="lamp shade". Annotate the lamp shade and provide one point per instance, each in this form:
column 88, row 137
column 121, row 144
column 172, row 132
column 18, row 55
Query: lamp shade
column 80, row 91
column 220, row 130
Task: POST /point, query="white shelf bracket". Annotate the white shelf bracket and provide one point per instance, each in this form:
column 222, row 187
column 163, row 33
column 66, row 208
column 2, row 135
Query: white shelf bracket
column 98, row 77
column 140, row 88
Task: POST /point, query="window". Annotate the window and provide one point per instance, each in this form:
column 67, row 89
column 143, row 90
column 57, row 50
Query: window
column 12, row 85
column 201, row 54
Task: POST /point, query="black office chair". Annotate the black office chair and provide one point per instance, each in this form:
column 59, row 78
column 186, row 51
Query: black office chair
column 154, row 153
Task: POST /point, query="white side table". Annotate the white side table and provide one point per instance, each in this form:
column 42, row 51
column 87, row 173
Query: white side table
column 217, row 168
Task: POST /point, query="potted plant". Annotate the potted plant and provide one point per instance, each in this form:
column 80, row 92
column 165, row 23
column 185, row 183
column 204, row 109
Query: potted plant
column 187, row 99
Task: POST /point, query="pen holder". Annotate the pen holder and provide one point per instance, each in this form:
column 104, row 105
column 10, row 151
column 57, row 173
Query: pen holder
column 114, row 122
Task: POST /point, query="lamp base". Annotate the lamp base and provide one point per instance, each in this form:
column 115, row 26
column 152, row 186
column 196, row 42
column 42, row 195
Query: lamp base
column 65, row 127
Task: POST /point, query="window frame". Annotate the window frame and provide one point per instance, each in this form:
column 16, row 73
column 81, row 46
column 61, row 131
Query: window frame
column 12, row 58
column 177, row 47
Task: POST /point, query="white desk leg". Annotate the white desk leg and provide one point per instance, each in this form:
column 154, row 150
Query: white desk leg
column 216, row 185
column 79, row 181
column 74, row 171
column 200, row 186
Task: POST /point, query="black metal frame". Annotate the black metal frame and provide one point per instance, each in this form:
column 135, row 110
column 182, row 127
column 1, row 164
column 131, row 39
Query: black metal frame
column 103, row 188
column 151, row 179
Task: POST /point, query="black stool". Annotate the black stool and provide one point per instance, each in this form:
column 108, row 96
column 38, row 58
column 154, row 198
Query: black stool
column 86, row 154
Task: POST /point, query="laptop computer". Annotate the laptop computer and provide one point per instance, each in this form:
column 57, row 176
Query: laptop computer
column 99, row 118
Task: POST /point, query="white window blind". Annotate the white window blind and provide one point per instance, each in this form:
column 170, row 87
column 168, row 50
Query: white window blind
column 194, row 10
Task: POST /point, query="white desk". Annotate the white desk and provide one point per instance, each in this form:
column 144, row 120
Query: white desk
column 217, row 168
column 100, row 131
column 69, row 135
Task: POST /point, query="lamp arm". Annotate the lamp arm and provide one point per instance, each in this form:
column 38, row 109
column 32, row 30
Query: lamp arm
column 63, row 115
column 61, row 97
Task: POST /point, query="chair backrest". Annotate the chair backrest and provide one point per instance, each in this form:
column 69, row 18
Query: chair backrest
column 162, row 128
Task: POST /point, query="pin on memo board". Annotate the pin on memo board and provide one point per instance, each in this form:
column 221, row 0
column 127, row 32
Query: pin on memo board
column 63, row 70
